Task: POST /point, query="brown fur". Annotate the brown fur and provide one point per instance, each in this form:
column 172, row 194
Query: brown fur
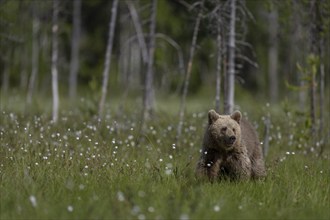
column 230, row 149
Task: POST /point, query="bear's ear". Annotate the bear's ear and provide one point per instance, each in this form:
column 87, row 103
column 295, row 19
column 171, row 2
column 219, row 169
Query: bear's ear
column 213, row 116
column 236, row 115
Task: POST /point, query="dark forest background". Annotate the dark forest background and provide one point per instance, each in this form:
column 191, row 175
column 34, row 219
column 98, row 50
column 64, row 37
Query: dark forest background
column 281, row 49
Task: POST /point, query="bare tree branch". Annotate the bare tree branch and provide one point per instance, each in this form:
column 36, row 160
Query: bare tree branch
column 229, row 99
column 138, row 29
column 107, row 61
column 176, row 46
column 188, row 73
column 248, row 60
column 148, row 98
column 55, row 60
column 35, row 54
column 74, row 65
column 219, row 56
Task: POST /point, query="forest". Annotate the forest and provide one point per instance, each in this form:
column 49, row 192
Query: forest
column 104, row 106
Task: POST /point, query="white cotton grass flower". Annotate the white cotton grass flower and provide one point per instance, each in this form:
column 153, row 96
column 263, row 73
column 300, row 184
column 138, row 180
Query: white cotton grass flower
column 216, row 208
column 135, row 210
column 70, row 208
column 120, row 196
column 184, row 217
column 141, row 217
column 33, row 200
column 168, row 171
column 141, row 194
column 151, row 209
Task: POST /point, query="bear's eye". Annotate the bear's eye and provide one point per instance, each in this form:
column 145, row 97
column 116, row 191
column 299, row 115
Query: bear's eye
column 224, row 129
column 234, row 130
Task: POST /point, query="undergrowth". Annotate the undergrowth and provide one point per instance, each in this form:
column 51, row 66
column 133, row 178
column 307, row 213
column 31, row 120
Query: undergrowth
column 85, row 168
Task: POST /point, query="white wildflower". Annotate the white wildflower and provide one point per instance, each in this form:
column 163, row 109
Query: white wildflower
column 33, row 200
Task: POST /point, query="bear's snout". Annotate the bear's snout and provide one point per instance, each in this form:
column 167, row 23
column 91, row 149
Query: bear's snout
column 231, row 140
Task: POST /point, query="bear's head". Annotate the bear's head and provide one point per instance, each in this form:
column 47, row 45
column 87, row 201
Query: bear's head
column 225, row 130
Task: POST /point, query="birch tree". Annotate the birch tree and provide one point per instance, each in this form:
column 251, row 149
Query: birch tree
column 6, row 72
column 325, row 33
column 23, row 72
column 322, row 79
column 74, row 65
column 35, row 53
column 322, row 99
column 138, row 30
column 298, row 51
column 315, row 52
column 54, row 68
column 273, row 55
column 148, row 97
column 230, row 78
column 107, row 61
column 188, row 72
column 218, row 69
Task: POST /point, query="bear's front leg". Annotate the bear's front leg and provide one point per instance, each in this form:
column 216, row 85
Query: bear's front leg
column 239, row 166
column 214, row 169
column 208, row 169
column 201, row 169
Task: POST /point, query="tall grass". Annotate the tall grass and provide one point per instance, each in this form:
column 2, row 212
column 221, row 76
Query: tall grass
column 83, row 168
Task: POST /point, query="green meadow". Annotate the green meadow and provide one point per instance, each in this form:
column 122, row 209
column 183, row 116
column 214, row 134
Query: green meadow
column 85, row 168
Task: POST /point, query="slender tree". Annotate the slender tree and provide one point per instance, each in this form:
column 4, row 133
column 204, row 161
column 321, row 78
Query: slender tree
column 138, row 30
column 35, row 54
column 74, row 65
column 23, row 72
column 219, row 61
column 322, row 78
column 148, row 97
column 107, row 61
column 188, row 72
column 230, row 78
column 297, row 39
column 6, row 72
column 273, row 55
column 323, row 132
column 54, row 68
column 315, row 53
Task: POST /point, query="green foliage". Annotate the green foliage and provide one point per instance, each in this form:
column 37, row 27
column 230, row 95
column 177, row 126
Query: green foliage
column 307, row 73
column 82, row 168
column 16, row 39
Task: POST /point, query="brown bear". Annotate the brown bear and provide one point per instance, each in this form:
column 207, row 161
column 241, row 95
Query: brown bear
column 231, row 149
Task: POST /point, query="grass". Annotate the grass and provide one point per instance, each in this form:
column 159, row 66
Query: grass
column 81, row 168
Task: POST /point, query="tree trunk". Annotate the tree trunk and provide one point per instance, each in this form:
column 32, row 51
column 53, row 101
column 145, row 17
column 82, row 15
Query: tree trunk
column 148, row 97
column 137, row 51
column 5, row 75
column 23, row 72
column 107, row 61
column 322, row 121
column 74, row 65
column 218, row 71
column 313, row 106
column 139, row 31
column 315, row 51
column 299, row 50
column 230, row 79
column 225, row 71
column 35, row 55
column 322, row 78
column 188, row 73
column 55, row 60
column 273, row 56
